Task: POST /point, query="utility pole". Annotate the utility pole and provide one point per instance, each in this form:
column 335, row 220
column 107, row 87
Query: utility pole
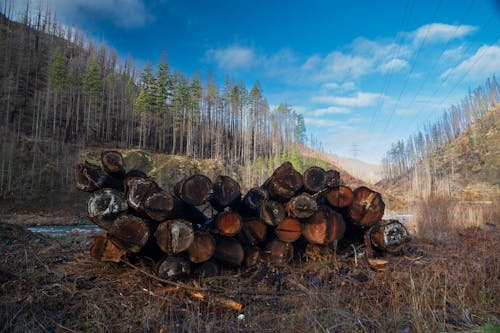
column 355, row 150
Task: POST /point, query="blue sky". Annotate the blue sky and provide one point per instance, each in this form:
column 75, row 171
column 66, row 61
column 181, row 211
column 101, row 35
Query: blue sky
column 363, row 73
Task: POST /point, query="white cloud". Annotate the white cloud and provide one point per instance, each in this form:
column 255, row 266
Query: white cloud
column 480, row 65
column 345, row 86
column 322, row 122
column 232, row 57
column 361, row 99
column 393, row 65
column 440, row 32
column 329, row 110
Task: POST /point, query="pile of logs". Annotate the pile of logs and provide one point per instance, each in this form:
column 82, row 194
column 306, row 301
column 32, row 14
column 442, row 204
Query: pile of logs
column 203, row 224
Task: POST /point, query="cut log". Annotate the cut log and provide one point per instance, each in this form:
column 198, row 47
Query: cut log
column 89, row 177
column 367, row 207
column 172, row 268
column 226, row 192
column 228, row 223
column 207, row 269
column 135, row 174
column 324, row 227
column 285, row 182
column 103, row 249
column 159, row 206
column 389, row 236
column 195, row 190
column 314, row 179
column 253, row 231
column 104, row 206
column 289, row 230
column 229, row 252
column 202, row 248
column 301, row 206
column 272, row 212
column 129, row 232
column 112, row 162
column 255, row 197
column 340, row 196
column 280, row 252
column 138, row 189
column 254, row 256
column 332, row 178
column 174, row 236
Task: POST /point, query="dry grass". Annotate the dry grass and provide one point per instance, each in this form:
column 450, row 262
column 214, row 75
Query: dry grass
column 436, row 285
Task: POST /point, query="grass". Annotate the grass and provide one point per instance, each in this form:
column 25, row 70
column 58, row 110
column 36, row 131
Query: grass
column 447, row 280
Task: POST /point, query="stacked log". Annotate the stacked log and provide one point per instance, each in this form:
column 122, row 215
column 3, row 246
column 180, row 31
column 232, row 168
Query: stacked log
column 274, row 222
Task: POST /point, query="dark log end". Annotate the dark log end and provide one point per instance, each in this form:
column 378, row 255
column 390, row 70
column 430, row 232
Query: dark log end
column 138, row 189
column 202, row 248
column 89, row 177
column 333, row 178
column 207, row 269
column 173, row 268
column 174, row 236
column 226, row 192
column 195, row 190
column 130, row 233
column 112, row 162
column 253, row 231
column 230, row 252
column 285, row 182
column 280, row 252
column 255, row 197
column 254, row 256
column 314, row 179
column 272, row 212
column 301, row 206
column 159, row 206
column 104, row 206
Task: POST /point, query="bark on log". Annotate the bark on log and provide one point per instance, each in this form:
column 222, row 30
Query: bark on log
column 254, row 256
column 195, row 190
column 285, row 182
column 332, row 178
column 255, row 197
column 112, row 162
column 130, row 233
column 202, row 248
column 226, row 192
column 389, row 236
column 104, row 206
column 340, row 196
column 172, row 268
column 159, row 206
column 228, row 223
column 174, row 236
column 314, row 179
column 324, row 227
column 301, row 206
column 89, row 177
column 272, row 212
column 229, row 252
column 253, row 231
column 103, row 249
column 280, row 252
column 367, row 207
column 289, row 230
column 138, row 189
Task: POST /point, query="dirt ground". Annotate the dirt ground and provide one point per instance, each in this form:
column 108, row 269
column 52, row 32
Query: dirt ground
column 53, row 285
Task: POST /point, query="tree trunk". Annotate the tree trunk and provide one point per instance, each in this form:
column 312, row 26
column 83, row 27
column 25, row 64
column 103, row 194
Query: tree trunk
column 367, row 207
column 103, row 249
column 174, row 236
column 112, row 162
column 230, row 252
column 104, row 206
column 280, row 252
column 137, row 190
column 202, row 248
column 272, row 212
column 324, row 227
column 289, row 230
column 228, row 223
column 159, row 206
column 389, row 236
column 301, row 206
column 314, row 179
column 194, row 190
column 172, row 268
column 332, row 178
column 226, row 192
column 89, row 177
column 285, row 182
column 340, row 196
column 255, row 197
column 130, row 233
column 253, row 231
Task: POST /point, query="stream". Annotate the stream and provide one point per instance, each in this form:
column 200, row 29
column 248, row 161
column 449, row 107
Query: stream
column 66, row 230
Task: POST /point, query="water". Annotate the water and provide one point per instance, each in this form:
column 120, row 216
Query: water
column 66, row 230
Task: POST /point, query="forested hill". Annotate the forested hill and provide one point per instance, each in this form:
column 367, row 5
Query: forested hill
column 61, row 92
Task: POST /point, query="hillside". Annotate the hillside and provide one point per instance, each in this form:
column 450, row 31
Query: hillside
column 368, row 172
column 466, row 168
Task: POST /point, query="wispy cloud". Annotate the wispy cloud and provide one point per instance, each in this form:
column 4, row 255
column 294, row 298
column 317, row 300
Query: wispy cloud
column 440, row 32
column 329, row 111
column 323, row 122
column 360, row 99
column 393, row 65
column 481, row 64
column 232, row 57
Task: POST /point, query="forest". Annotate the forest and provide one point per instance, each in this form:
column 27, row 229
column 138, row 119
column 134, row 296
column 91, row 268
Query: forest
column 62, row 92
